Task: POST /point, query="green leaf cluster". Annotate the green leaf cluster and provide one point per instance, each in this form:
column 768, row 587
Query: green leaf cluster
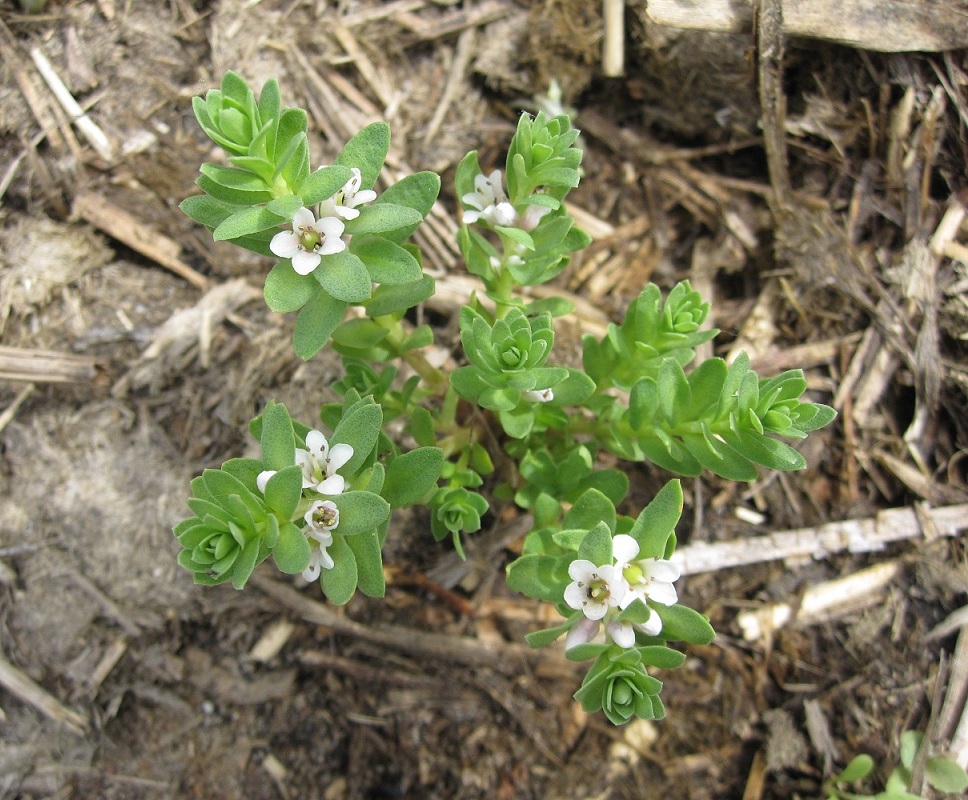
column 533, row 251
column 270, row 179
column 618, row 682
column 651, row 332
column 942, row 774
column 542, row 156
column 619, row 685
column 553, row 481
column 507, row 356
column 235, row 526
column 542, row 167
column 722, row 418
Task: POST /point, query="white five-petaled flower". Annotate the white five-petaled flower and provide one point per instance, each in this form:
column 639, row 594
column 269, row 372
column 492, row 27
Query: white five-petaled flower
column 593, row 590
column 319, row 463
column 489, row 202
column 344, row 202
column 309, row 240
column 601, row 592
column 321, row 519
column 647, row 577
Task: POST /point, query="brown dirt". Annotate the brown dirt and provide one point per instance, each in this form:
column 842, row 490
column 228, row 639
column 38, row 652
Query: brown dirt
column 94, row 474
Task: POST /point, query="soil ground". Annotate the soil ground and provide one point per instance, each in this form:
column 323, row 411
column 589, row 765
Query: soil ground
column 810, row 209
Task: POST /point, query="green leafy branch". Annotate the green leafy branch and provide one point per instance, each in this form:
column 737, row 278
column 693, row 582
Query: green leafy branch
column 940, row 773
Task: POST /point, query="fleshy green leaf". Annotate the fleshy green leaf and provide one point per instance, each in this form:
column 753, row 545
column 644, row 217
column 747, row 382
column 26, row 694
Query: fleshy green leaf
column 292, row 550
column 360, row 429
column 277, row 439
column 359, row 333
column 412, row 475
column 287, row 290
column 206, row 210
column 316, row 323
column 322, row 184
column 285, row 206
column 393, row 298
column 245, row 563
column 386, row 262
column 382, row 218
column 418, row 191
column 683, row 624
column 369, row 564
column 910, row 744
column 339, row 583
column 858, row 768
column 422, row 427
column 661, row 657
column 658, row 521
column 360, row 512
column 597, row 545
column 539, row 577
column 245, row 222
column 344, row 276
column 945, row 775
column 546, row 636
column 589, row 510
column 367, row 151
column 283, row 491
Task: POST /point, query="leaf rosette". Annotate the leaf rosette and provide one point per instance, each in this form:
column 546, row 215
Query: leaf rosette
column 231, row 532
column 619, row 685
column 507, row 358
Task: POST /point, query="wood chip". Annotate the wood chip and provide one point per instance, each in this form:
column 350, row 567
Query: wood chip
column 854, row 535
column 45, row 366
column 18, row 684
column 89, row 130
column 272, row 641
column 888, row 26
column 822, row 601
column 137, row 235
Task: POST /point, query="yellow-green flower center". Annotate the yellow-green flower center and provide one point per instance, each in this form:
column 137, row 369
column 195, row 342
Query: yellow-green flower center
column 309, row 239
column 633, row 574
column 597, row 589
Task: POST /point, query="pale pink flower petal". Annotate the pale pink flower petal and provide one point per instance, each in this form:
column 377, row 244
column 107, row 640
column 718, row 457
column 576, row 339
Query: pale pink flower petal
column 582, row 633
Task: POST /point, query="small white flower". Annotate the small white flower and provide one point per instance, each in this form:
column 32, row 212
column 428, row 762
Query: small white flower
column 650, row 578
column 533, row 214
column 344, row 202
column 593, row 589
column 319, row 560
column 263, row 478
column 623, row 633
column 319, row 463
column 309, row 240
column 539, row 395
column 321, row 519
column 584, row 631
column 489, row 201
